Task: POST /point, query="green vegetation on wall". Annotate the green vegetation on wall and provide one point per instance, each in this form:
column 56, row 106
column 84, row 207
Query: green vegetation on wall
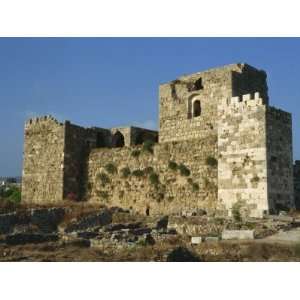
column 135, row 153
column 104, row 179
column 125, row 172
column 211, row 161
column 111, row 168
column 184, row 171
column 172, row 165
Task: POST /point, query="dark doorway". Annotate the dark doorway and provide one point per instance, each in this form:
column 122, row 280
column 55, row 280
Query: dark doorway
column 147, row 211
column 196, row 108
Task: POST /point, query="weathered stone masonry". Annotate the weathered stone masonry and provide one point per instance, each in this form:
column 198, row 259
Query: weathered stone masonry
column 297, row 183
column 220, row 143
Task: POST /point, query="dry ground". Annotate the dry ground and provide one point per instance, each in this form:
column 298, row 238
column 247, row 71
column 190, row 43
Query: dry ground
column 257, row 251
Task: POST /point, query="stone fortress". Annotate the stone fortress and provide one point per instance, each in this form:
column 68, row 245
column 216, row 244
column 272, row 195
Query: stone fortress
column 220, row 145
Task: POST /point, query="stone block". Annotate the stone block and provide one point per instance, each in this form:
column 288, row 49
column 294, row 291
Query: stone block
column 212, row 239
column 238, row 235
column 196, row 240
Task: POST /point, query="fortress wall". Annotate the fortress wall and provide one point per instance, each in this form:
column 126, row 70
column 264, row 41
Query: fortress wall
column 43, row 160
column 242, row 168
column 173, row 194
column 297, row 183
column 280, row 159
column 78, row 141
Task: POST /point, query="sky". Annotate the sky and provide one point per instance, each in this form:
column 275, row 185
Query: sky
column 110, row 82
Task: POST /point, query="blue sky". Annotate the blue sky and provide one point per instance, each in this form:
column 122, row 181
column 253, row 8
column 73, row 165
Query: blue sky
column 114, row 81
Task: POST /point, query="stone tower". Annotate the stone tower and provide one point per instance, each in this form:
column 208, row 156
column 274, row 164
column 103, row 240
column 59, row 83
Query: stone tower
column 253, row 140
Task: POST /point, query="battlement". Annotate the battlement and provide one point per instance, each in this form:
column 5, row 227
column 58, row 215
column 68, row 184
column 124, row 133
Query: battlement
column 242, row 102
column 40, row 120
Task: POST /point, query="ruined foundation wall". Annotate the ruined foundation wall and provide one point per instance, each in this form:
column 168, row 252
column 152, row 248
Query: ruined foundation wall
column 280, row 160
column 173, row 193
column 42, row 180
column 242, row 167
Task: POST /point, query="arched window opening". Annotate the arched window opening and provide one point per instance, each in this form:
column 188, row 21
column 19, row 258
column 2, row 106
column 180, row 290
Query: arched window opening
column 118, row 140
column 198, row 85
column 196, row 108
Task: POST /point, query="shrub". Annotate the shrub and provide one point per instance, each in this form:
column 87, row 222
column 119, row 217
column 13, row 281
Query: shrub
column 172, row 165
column 135, row 153
column 148, row 146
column 184, row 171
column 236, row 211
column 125, row 172
column 255, row 179
column 211, row 161
column 138, row 173
column 103, row 178
column 195, row 187
column 148, row 170
column 154, row 178
column 111, row 168
column 14, row 195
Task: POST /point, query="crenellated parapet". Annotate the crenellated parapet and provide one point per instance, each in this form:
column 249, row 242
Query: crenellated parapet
column 242, row 102
column 38, row 121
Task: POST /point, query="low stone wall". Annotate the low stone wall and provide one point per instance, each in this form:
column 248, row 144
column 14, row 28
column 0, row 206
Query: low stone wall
column 155, row 182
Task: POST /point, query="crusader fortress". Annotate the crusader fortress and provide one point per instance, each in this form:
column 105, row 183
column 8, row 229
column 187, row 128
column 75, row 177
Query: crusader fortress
column 219, row 145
